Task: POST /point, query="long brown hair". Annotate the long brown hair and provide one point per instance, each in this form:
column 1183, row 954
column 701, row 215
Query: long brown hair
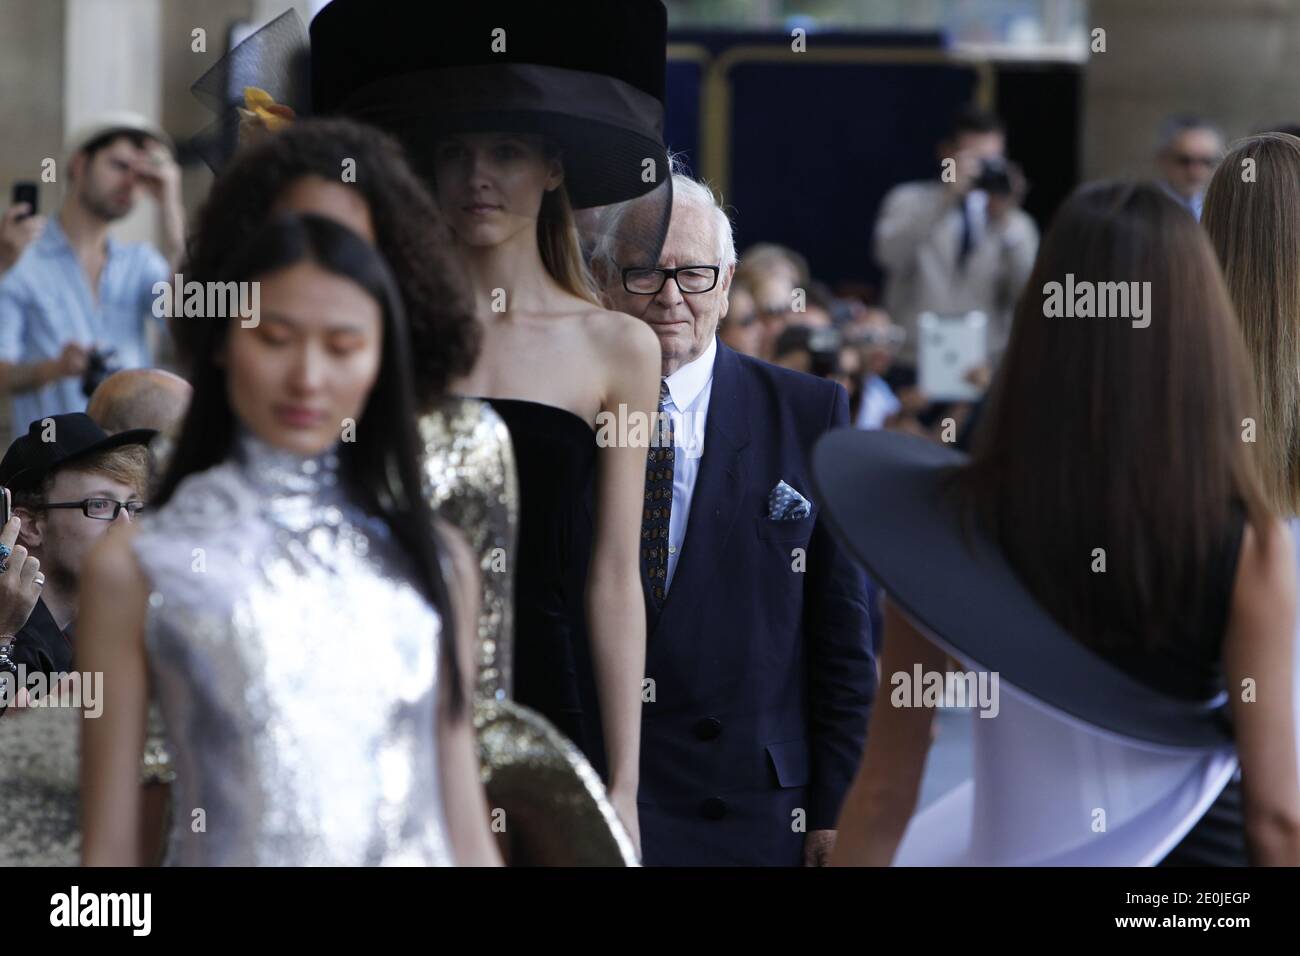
column 1252, row 215
column 557, row 240
column 1100, row 434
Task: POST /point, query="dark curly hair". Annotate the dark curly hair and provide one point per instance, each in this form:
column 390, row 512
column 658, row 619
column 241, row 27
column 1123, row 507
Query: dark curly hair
column 409, row 230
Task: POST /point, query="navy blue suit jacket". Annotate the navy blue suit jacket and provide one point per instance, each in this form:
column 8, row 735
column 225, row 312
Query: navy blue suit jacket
column 761, row 655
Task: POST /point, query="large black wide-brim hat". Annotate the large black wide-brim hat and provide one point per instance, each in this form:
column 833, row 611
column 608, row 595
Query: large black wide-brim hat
column 586, row 74
column 888, row 496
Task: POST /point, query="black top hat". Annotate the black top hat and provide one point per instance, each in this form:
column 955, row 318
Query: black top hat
column 589, row 77
column 886, row 495
column 59, row 441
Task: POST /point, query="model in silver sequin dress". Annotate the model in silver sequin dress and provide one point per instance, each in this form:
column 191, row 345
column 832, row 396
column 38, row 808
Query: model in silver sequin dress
column 297, row 670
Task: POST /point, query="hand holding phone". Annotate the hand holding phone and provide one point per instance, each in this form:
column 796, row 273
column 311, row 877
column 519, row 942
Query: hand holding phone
column 20, row 581
column 20, row 224
column 27, row 194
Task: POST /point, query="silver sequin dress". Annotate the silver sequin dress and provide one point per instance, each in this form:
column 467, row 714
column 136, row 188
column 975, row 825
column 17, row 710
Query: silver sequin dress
column 297, row 671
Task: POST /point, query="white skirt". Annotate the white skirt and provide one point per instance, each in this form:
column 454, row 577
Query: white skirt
column 1049, row 790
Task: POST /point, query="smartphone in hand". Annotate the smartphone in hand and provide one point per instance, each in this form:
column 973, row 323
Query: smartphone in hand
column 26, row 191
column 6, row 506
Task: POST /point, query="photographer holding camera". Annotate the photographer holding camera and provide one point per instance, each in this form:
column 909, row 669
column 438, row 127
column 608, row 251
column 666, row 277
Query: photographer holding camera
column 958, row 243
column 76, row 305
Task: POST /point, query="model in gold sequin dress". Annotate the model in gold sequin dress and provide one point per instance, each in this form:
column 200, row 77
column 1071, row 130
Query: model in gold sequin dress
column 556, row 811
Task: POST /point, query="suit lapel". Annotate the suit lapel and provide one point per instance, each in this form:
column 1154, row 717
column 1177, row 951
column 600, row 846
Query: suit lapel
column 717, row 497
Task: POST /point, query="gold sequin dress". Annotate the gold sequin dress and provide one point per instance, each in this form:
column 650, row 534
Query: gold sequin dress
column 555, row 811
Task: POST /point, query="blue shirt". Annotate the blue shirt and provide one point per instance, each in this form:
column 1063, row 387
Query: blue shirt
column 1193, row 205
column 878, row 403
column 45, row 302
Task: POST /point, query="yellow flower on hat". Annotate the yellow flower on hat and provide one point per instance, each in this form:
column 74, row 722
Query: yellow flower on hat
column 261, row 111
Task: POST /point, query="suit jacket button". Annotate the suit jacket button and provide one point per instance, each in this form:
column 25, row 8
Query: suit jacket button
column 713, row 809
column 706, row 728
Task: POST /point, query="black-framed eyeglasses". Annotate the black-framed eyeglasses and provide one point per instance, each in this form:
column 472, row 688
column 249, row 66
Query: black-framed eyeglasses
column 690, row 279
column 101, row 509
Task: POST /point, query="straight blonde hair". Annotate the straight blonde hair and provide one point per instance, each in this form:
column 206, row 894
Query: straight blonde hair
column 557, row 241
column 1252, row 215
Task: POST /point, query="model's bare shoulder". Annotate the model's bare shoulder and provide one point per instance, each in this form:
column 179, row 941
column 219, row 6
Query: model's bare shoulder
column 621, row 338
column 1266, row 569
column 114, row 599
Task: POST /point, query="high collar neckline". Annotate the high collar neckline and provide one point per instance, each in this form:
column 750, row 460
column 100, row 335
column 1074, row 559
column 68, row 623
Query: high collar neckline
column 279, row 471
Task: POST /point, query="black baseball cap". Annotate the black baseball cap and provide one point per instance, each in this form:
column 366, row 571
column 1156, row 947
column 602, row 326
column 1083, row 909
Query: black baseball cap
column 72, row 437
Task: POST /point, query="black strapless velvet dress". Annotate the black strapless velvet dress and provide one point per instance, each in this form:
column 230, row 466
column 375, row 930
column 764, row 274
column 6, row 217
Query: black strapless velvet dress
column 555, row 454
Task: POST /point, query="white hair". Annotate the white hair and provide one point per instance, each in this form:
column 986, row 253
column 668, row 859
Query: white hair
column 686, row 189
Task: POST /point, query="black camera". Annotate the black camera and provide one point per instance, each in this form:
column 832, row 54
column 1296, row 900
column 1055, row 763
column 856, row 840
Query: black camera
column 994, row 177
column 99, row 366
column 821, row 344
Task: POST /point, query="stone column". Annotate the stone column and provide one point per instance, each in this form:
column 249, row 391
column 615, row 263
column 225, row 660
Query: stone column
column 31, row 111
column 113, row 61
column 1238, row 63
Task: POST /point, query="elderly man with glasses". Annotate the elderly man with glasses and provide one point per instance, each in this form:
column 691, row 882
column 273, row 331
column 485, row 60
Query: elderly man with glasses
column 70, row 482
column 759, row 660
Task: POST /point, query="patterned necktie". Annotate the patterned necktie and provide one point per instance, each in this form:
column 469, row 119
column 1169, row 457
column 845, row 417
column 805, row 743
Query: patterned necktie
column 658, row 501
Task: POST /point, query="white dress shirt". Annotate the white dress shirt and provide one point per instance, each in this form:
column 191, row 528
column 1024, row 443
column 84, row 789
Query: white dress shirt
column 689, row 389
column 878, row 403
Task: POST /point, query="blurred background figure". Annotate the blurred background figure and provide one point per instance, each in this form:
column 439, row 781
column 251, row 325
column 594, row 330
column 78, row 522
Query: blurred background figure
column 957, row 242
column 817, row 307
column 740, row 327
column 140, row 398
column 769, row 259
column 877, row 340
column 78, row 303
column 1188, row 152
column 810, row 349
column 772, row 273
column 773, row 293
column 849, row 373
column 150, row 398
